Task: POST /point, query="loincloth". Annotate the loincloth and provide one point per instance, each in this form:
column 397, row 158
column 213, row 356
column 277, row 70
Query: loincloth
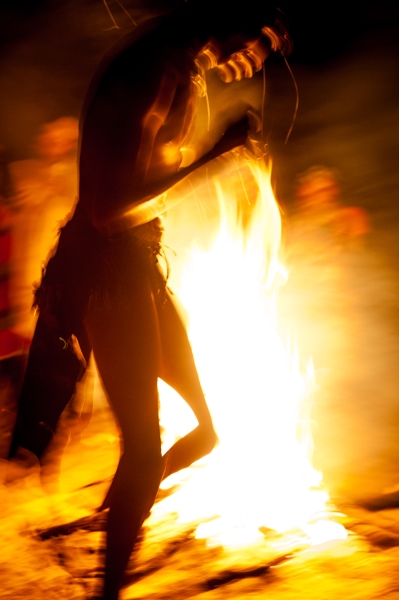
column 86, row 268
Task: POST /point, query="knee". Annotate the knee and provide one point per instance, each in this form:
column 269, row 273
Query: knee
column 205, row 438
column 210, row 440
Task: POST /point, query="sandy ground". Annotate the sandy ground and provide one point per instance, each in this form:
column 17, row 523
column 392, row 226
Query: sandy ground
column 66, row 563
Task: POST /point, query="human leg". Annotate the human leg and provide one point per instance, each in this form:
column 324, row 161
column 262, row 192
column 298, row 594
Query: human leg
column 51, row 375
column 179, row 371
column 125, row 339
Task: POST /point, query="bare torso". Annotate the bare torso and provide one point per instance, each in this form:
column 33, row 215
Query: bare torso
column 134, row 126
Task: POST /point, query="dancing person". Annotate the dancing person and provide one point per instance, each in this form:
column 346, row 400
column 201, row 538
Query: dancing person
column 103, row 291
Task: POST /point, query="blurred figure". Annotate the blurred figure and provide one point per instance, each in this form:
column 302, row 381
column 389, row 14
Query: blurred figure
column 45, row 189
column 321, row 231
column 57, row 141
column 44, row 193
column 103, row 289
column 13, row 347
column 321, row 212
column 323, row 242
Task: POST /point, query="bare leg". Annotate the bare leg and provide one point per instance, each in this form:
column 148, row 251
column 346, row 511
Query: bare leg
column 179, row 371
column 125, row 342
column 49, row 383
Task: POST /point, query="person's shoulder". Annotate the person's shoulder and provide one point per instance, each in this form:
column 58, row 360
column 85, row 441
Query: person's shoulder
column 145, row 34
column 124, row 62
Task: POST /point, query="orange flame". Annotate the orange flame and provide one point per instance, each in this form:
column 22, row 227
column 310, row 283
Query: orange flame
column 260, row 476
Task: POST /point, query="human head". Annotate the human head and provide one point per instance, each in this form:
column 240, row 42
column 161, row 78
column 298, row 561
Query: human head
column 231, row 27
column 317, row 189
column 58, row 138
column 235, row 58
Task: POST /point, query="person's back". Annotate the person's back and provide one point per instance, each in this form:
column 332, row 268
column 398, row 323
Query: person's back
column 135, row 123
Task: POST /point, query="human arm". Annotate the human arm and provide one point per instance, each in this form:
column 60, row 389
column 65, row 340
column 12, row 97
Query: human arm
column 147, row 200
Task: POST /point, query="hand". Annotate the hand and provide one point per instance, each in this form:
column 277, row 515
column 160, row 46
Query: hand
column 235, row 136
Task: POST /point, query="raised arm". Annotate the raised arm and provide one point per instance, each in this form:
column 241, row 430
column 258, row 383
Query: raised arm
column 148, row 201
column 155, row 202
column 132, row 134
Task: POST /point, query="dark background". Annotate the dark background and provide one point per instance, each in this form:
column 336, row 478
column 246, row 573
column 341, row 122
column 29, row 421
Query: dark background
column 50, row 48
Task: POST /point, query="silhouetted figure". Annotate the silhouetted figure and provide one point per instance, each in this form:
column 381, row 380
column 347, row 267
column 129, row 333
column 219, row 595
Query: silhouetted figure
column 44, row 190
column 103, row 290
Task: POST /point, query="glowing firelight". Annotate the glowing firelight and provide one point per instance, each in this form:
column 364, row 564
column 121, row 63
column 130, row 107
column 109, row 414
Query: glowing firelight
column 260, row 477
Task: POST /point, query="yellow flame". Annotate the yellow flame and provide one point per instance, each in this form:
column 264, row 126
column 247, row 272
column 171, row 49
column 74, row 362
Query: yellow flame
column 260, row 476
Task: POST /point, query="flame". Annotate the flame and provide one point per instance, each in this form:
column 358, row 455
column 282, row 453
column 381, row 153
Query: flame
column 260, row 476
